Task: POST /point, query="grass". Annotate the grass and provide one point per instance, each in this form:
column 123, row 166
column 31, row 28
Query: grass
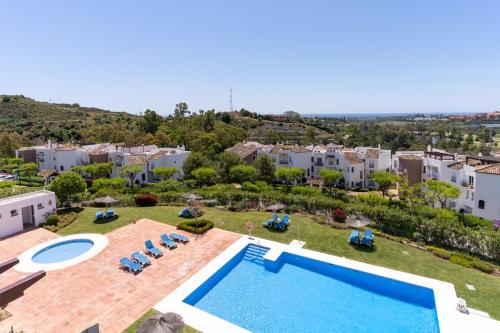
column 135, row 325
column 321, row 238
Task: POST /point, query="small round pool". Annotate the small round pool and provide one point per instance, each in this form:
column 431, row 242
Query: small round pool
column 62, row 251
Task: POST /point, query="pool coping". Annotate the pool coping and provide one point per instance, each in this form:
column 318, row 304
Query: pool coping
column 449, row 319
column 27, row 265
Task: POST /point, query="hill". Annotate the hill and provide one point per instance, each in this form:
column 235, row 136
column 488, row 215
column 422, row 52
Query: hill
column 39, row 121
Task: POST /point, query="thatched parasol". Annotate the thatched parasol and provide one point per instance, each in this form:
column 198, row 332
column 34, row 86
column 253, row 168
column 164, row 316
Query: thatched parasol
column 275, row 208
column 163, row 323
column 357, row 221
column 107, row 200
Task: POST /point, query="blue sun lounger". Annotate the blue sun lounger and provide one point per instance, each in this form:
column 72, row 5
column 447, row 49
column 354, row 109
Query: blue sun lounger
column 178, row 237
column 283, row 224
column 167, row 241
column 127, row 264
column 140, row 259
column 270, row 222
column 367, row 238
column 99, row 215
column 152, row 250
column 354, row 237
column 110, row 214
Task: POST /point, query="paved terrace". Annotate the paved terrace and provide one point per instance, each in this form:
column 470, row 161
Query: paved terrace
column 71, row 299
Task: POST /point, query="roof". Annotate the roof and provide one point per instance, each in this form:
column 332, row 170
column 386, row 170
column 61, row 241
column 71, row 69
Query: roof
column 372, row 153
column 243, row 149
column 492, row 169
column 295, row 149
column 409, row 157
column 352, row 157
column 457, row 165
column 25, row 196
column 137, row 160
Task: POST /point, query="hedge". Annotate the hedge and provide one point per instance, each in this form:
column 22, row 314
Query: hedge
column 146, row 200
column 196, row 227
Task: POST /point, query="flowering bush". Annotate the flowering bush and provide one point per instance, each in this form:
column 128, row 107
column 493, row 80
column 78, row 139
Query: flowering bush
column 146, row 200
column 339, row 215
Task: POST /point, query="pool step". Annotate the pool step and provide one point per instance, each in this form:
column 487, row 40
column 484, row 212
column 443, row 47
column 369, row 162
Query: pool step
column 255, row 254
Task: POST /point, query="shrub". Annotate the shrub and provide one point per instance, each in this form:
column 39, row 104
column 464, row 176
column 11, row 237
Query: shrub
column 482, row 266
column 439, row 252
column 52, row 220
column 339, row 215
column 250, row 187
column 306, row 190
column 461, row 260
column 51, row 228
column 146, row 200
column 196, row 227
column 237, row 206
column 475, row 221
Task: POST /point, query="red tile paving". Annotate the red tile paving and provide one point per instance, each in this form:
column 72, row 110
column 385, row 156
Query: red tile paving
column 74, row 298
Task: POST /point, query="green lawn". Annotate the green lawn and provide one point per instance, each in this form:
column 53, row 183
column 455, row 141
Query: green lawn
column 133, row 328
column 324, row 239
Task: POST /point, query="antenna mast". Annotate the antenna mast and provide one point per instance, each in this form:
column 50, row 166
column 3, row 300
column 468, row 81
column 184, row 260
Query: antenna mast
column 231, row 100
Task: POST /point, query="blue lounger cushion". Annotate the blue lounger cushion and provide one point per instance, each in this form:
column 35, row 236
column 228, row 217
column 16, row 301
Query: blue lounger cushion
column 167, row 241
column 179, row 237
column 126, row 263
column 151, row 249
column 354, row 237
column 140, row 258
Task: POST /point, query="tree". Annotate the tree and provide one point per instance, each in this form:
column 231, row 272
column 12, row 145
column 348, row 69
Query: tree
column 265, row 168
column 310, row 135
column 98, row 170
column 289, row 175
column 151, row 121
column 385, row 180
column 225, row 161
column 28, row 170
column 243, row 173
column 204, row 175
column 441, row 191
column 66, row 185
column 181, row 110
column 130, row 172
column 209, row 120
column 164, row 172
column 194, row 161
column 330, row 177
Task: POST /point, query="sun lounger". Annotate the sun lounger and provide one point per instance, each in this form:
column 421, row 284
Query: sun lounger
column 179, row 237
column 152, row 250
column 99, row 215
column 272, row 221
column 126, row 263
column 354, row 237
column 140, row 259
column 367, row 238
column 110, row 214
column 167, row 241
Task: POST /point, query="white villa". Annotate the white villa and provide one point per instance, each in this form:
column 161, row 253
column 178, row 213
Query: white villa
column 62, row 157
column 355, row 164
column 25, row 210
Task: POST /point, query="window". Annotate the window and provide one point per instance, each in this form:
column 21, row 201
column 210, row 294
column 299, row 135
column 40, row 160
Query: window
column 361, row 174
column 337, row 161
column 14, row 212
column 471, row 180
column 467, row 195
column 40, row 206
column 62, row 167
column 371, row 164
column 352, row 169
column 143, row 176
column 352, row 184
column 424, row 169
column 312, row 158
column 480, row 204
column 472, row 196
column 453, row 178
column 453, row 204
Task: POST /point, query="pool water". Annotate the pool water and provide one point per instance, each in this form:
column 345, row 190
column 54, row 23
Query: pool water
column 62, row 251
column 305, row 295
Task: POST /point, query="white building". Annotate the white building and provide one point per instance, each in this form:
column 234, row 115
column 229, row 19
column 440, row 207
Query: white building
column 25, row 210
column 61, row 158
column 487, row 199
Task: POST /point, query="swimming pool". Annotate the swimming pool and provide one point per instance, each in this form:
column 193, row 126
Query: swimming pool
column 258, row 285
column 305, row 295
column 62, row 251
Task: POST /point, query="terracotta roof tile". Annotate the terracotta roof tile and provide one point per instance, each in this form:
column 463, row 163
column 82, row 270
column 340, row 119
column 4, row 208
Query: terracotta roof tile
column 457, row 165
column 137, row 160
column 352, row 157
column 372, row 153
column 492, row 169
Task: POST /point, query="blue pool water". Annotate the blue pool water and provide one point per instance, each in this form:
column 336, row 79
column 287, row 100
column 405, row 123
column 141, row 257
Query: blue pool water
column 304, row 295
column 62, row 251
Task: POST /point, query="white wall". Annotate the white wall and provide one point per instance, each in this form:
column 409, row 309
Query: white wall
column 488, row 190
column 11, row 224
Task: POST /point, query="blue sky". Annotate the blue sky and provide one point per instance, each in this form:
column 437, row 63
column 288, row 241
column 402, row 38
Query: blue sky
column 308, row 56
